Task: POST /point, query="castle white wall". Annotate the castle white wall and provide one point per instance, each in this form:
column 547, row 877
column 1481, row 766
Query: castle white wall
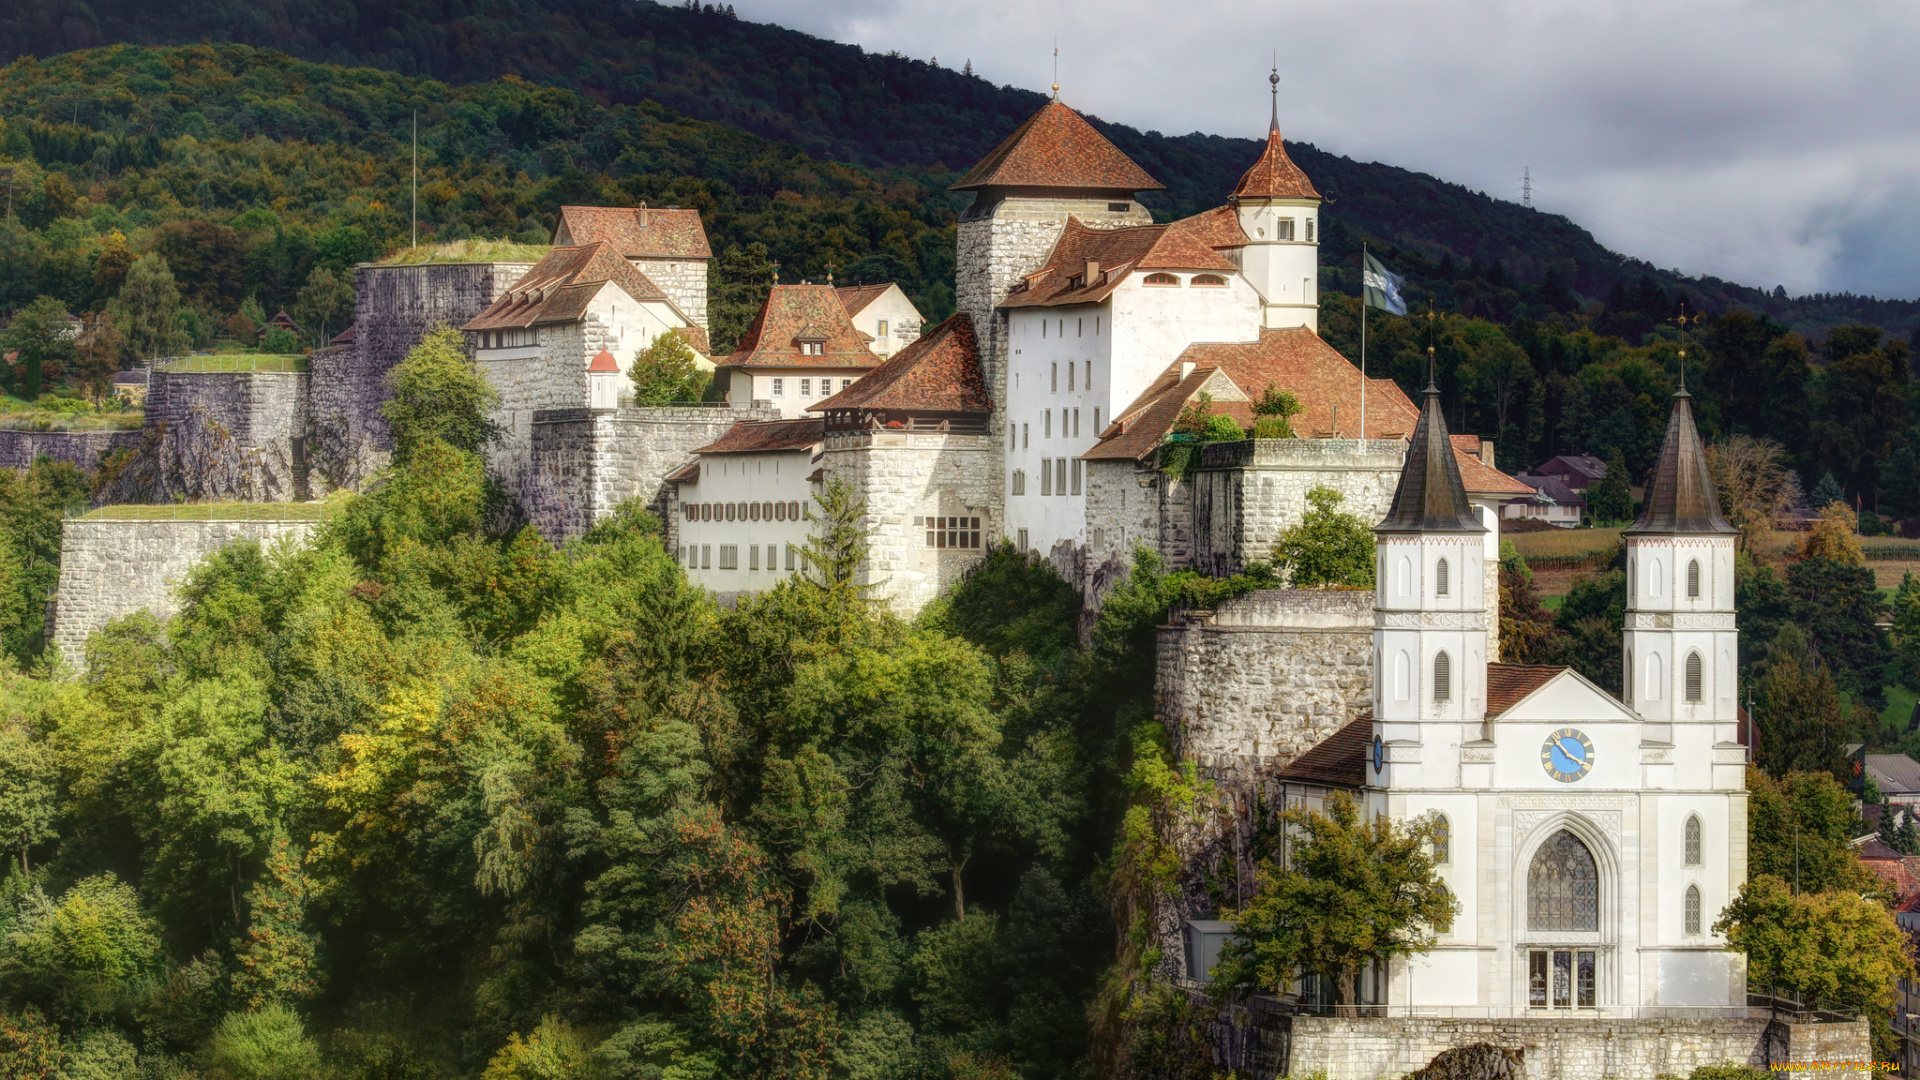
column 1059, row 396
column 792, row 390
column 758, row 505
column 1285, row 271
column 891, row 320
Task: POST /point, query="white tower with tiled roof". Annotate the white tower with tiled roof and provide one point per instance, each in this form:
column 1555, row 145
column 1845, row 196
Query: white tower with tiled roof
column 1280, row 212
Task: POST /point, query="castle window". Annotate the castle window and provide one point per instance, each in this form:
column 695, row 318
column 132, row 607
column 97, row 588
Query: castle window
column 1442, row 676
column 1693, row 676
column 1079, row 330
column 1046, row 424
column 1076, row 423
column 793, row 512
column 844, row 383
column 1440, row 578
column 1019, row 483
column 1119, row 207
column 1209, row 281
column 773, row 552
column 688, row 507
column 793, row 554
column 806, row 387
column 753, row 557
column 1046, row 476
column 753, row 511
column 1026, row 436
column 1309, row 230
column 779, row 511
column 1283, row 229
column 880, row 328
column 1693, row 840
column 1076, row 476
column 1693, row 579
column 1693, row 910
column 953, row 532
column 1161, row 281
column 1056, row 378
column 1096, row 419
column 1442, row 837
column 779, row 389
column 729, row 557
column 706, row 556
column 733, row 511
column 1021, row 540
column 1071, row 366
column 1563, row 886
column 1060, row 476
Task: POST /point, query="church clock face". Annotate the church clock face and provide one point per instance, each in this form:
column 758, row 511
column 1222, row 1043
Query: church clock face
column 1567, row 755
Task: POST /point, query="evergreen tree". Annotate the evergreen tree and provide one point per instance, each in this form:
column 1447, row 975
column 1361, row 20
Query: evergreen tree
column 1826, row 492
column 1799, row 705
column 148, row 309
column 742, row 278
column 1899, row 487
column 1609, row 499
column 324, row 305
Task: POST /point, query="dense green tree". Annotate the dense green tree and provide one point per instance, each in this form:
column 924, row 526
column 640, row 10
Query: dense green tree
column 1527, row 631
column 1860, row 401
column 1609, row 501
column 1800, row 719
column 147, row 309
column 742, row 278
column 666, row 371
column 43, row 339
column 80, row 956
column 1327, row 547
column 1800, row 829
column 1836, row 946
column 1827, row 492
column 276, row 957
column 1838, row 608
column 1899, row 484
column 324, row 305
column 439, row 396
column 29, row 791
column 1590, row 621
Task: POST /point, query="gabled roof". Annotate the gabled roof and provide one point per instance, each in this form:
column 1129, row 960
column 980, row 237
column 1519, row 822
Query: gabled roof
column 560, row 286
column 1339, row 760
column 1294, row 359
column 1062, row 279
column 1218, row 228
column 1509, row 684
column 1430, row 496
column 1274, row 175
column 794, row 311
column 344, row 337
column 1894, row 773
column 1057, row 148
column 1553, row 488
column 1479, row 477
column 940, row 372
column 1581, row 468
column 755, row 436
column 636, row 232
column 1536, row 692
column 1680, row 496
column 855, row 298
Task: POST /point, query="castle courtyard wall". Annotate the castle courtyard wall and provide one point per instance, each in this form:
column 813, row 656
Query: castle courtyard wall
column 1245, row 494
column 110, row 568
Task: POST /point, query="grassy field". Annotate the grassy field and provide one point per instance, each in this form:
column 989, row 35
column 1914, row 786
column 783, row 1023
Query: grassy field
column 63, row 414
column 236, row 362
column 1563, row 543
column 465, row 251
column 227, row 511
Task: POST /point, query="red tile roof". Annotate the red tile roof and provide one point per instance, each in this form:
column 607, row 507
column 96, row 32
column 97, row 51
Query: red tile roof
column 697, row 337
column 667, row 234
column 939, row 372
column 795, row 310
column 754, row 436
column 1062, row 279
column 856, row 297
column 1275, row 176
column 603, row 362
column 1507, row 684
column 1339, row 760
column 1217, row 228
column 1477, row 476
column 559, row 287
column 1056, row 148
column 685, row 474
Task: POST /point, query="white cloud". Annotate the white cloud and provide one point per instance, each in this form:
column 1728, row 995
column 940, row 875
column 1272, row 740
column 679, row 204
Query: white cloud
column 1765, row 141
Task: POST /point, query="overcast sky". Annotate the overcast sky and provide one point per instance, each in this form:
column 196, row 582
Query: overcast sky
column 1763, row 141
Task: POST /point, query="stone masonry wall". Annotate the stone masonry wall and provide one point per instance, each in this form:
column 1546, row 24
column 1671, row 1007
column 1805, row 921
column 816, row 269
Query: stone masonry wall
column 112, row 568
column 901, row 476
column 264, row 411
column 1245, row 494
column 585, row 462
column 1123, row 508
column 82, row 449
column 685, row 283
column 1550, row 1048
column 1264, row 678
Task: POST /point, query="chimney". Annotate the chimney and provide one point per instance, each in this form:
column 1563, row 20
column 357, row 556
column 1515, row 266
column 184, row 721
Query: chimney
column 1093, row 272
column 1486, row 453
column 643, row 213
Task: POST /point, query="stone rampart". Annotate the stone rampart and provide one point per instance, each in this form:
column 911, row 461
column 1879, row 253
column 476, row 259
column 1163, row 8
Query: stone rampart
column 1269, row 1045
column 264, row 414
column 82, row 449
column 1262, row 679
column 110, row 568
column 585, row 462
column 903, row 477
column 1245, row 494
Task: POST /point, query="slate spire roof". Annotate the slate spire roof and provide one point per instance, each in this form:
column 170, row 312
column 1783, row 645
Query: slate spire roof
column 1430, row 496
column 1057, row 148
column 1680, row 497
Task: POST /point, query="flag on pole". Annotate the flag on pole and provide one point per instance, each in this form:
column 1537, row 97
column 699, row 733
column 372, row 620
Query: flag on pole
column 1382, row 287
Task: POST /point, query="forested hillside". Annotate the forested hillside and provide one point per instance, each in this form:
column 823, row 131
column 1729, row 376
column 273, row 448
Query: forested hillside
column 837, row 102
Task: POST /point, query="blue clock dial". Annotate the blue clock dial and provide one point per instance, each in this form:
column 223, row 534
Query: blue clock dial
column 1567, row 755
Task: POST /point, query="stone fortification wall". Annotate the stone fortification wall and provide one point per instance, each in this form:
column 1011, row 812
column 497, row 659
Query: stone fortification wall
column 110, row 568
column 685, row 283
column 901, row 476
column 585, row 462
column 82, row 449
column 1123, row 508
column 1250, row 686
column 1549, row 1048
column 1244, row 494
column 264, row 414
column 540, row 381
column 393, row 307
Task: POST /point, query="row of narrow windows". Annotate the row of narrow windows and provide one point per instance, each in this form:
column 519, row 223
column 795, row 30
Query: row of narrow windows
column 1058, row 327
column 806, row 387
column 701, row 556
column 1442, row 576
column 1692, row 682
column 1020, row 436
column 770, row 511
column 1443, row 676
column 1055, row 474
column 1693, row 579
column 1172, row 281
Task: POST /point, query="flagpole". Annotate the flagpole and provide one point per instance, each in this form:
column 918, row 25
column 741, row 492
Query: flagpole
column 1363, row 339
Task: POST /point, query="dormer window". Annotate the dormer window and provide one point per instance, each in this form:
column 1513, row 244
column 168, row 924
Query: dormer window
column 1164, row 281
column 813, row 348
column 1209, row 281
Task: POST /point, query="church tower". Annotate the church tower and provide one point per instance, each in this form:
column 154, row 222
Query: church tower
column 1430, row 611
column 1052, row 167
column 1679, row 660
column 1279, row 210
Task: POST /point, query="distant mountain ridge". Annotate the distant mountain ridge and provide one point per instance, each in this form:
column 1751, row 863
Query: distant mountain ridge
column 842, row 103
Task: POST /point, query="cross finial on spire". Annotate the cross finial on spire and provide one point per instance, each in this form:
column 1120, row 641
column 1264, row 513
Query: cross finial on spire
column 1056, row 69
column 1273, row 80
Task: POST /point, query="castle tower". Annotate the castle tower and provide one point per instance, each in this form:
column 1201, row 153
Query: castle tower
column 1053, row 166
column 1280, row 212
column 1430, row 611
column 1680, row 642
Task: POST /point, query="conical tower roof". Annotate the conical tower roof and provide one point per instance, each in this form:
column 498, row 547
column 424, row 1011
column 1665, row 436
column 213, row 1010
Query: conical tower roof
column 1275, row 176
column 1430, row 497
column 1681, row 498
column 1056, row 148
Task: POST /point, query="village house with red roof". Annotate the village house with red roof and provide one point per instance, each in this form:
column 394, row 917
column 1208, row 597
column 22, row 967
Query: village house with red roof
column 801, row 348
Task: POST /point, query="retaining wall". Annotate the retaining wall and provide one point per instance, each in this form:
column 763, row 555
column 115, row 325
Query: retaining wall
column 112, row 568
column 264, row 412
column 82, row 449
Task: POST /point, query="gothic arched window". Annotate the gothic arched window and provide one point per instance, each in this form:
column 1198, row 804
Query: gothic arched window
column 1693, row 909
column 1442, row 676
column 1693, row 840
column 1440, row 578
column 1563, row 886
column 1442, row 839
column 1693, row 676
column 1693, row 579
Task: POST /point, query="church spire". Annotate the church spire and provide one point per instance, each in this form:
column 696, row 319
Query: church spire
column 1680, row 496
column 1431, row 496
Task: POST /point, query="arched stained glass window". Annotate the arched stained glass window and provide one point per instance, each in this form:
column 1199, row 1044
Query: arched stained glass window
column 1442, row 840
column 1563, row 886
column 1693, row 909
